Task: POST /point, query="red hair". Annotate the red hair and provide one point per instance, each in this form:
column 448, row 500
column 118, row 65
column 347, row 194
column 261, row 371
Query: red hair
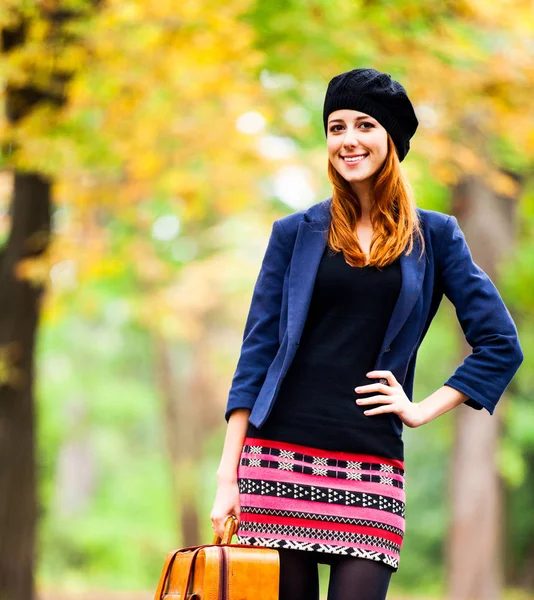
column 393, row 214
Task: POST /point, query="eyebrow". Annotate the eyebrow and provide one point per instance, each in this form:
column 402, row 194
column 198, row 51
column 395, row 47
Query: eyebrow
column 356, row 119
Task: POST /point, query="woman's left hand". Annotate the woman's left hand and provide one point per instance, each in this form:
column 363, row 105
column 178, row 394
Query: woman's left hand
column 393, row 398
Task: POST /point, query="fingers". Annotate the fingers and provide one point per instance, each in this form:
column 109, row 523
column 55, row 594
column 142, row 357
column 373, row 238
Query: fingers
column 387, row 375
column 226, row 503
column 375, row 400
column 382, row 410
column 218, row 523
column 218, row 527
column 375, row 387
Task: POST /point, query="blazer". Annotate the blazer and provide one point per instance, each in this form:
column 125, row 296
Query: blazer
column 282, row 295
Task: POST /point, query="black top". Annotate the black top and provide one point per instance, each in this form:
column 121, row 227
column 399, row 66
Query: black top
column 348, row 316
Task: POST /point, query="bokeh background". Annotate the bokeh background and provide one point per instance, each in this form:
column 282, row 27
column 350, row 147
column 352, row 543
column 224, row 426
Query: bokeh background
column 146, row 148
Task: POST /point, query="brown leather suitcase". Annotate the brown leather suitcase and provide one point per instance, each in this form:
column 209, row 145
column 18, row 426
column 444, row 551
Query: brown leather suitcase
column 220, row 571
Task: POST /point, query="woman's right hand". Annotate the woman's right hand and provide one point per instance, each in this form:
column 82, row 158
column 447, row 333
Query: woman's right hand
column 226, row 503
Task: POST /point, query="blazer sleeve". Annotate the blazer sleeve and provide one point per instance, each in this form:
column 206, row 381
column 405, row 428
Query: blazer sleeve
column 486, row 322
column 260, row 337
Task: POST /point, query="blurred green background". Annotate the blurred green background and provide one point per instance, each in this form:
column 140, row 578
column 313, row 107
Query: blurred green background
column 147, row 148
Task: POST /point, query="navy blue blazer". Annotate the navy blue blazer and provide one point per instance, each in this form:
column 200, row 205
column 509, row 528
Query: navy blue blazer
column 282, row 296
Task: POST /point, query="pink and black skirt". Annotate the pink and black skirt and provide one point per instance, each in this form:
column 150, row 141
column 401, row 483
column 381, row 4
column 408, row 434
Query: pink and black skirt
column 303, row 498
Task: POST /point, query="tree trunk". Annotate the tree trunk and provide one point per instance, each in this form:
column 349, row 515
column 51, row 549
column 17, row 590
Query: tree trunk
column 182, row 441
column 190, row 414
column 19, row 313
column 475, row 569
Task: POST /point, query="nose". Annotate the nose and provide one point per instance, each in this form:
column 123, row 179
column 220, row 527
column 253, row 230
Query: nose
column 351, row 137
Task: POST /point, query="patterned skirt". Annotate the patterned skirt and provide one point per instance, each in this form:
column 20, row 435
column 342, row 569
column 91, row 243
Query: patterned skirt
column 323, row 501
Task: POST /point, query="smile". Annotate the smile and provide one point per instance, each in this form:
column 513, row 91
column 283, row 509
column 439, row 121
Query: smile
column 350, row 160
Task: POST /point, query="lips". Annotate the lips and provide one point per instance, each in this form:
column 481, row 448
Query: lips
column 354, row 159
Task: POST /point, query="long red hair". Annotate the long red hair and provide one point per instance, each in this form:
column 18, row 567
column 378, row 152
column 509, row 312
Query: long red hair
column 393, row 214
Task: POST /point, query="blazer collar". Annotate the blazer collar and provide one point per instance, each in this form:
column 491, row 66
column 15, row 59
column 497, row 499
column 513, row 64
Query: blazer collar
column 310, row 244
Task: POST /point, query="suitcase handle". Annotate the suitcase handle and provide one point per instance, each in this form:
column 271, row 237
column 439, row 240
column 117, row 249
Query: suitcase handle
column 230, row 527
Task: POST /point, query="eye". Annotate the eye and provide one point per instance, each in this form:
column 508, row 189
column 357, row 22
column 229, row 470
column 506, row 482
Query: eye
column 371, row 126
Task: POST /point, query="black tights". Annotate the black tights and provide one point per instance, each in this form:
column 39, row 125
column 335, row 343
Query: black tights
column 351, row 578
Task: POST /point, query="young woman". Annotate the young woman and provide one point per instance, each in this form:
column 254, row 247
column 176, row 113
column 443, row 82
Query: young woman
column 312, row 462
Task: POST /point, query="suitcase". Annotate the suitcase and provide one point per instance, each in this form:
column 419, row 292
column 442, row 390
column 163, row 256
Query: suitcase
column 220, row 571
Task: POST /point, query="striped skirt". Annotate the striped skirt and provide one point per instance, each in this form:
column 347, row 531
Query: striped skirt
column 329, row 502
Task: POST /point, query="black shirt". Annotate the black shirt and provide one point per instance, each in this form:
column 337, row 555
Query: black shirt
column 348, row 316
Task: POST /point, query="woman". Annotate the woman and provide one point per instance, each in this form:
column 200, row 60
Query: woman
column 313, row 457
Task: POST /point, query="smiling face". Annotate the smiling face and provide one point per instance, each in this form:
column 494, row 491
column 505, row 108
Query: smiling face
column 357, row 146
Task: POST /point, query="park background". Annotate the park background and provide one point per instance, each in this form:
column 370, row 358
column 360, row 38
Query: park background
column 146, row 148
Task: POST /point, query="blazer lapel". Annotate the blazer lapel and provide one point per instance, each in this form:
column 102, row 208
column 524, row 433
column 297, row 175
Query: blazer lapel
column 309, row 246
column 413, row 273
